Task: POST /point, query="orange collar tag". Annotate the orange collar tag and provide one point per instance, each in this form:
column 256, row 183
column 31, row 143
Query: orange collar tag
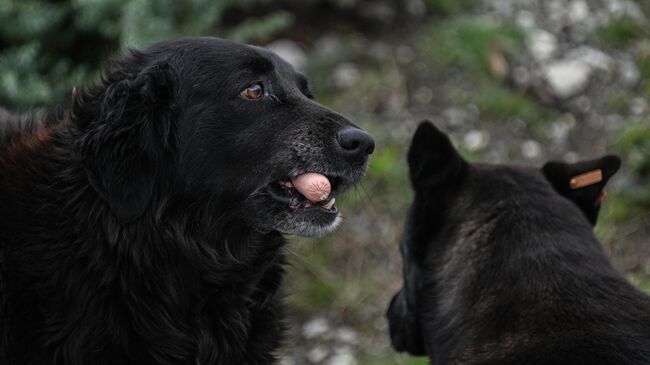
column 586, row 179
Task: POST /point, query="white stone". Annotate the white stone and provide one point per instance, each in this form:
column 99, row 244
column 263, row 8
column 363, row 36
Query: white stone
column 620, row 8
column 531, row 149
column 541, row 44
column 456, row 116
column 591, row 56
column 342, row 356
column 630, row 75
column 286, row 360
column 583, row 103
column 559, row 131
column 290, row 52
column 578, row 11
column 315, row 328
column 566, row 78
column 476, row 140
column 571, row 157
column 502, row 6
column 317, row 354
column 346, row 75
column 347, row 335
column 638, row 106
column 525, row 19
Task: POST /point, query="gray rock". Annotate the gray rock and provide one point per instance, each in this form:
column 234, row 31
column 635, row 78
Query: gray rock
column 290, row 52
column 327, row 47
column 638, row 106
column 404, row 54
column 317, row 354
column 315, row 328
column 629, row 73
column 579, row 11
column 541, row 44
column 620, row 8
column 342, row 356
column 346, row 335
column 416, row 8
column 595, row 58
column 583, row 103
column 567, row 77
column 476, row 140
column 521, row 76
column 525, row 19
column 423, row 95
column 286, row 360
column 346, row 75
column 531, row 149
column 559, row 130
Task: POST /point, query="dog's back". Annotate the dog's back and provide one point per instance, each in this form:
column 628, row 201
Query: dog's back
column 525, row 281
column 501, row 267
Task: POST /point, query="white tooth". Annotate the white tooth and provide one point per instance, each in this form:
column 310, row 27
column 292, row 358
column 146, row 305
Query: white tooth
column 330, row 204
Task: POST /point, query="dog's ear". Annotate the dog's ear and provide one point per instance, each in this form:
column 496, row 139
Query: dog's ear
column 583, row 182
column 126, row 142
column 433, row 160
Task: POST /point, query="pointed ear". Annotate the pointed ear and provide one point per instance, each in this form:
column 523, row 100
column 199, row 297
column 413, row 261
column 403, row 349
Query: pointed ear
column 433, row 160
column 583, row 182
column 124, row 146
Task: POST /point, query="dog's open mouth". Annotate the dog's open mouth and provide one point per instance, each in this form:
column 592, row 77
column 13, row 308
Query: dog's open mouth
column 316, row 194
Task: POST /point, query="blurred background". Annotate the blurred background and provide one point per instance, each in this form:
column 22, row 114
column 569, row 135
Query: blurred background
column 513, row 81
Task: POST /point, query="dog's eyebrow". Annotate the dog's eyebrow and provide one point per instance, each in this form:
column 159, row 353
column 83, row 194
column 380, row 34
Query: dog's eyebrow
column 303, row 84
column 260, row 64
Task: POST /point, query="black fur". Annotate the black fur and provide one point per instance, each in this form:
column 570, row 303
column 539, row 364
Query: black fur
column 140, row 225
column 501, row 266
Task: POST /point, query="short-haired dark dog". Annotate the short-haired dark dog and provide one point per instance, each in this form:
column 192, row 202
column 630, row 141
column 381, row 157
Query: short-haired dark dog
column 501, row 266
column 144, row 224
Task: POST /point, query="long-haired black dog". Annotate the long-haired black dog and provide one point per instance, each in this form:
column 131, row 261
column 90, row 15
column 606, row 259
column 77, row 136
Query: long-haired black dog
column 144, row 224
column 501, row 266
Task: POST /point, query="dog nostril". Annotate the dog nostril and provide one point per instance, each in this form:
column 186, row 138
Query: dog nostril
column 370, row 149
column 355, row 142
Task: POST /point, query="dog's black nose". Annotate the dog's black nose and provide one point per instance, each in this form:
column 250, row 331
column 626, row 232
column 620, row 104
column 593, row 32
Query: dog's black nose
column 356, row 143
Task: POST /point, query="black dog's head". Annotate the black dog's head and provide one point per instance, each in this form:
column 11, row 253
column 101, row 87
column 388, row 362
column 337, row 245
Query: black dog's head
column 209, row 120
column 454, row 202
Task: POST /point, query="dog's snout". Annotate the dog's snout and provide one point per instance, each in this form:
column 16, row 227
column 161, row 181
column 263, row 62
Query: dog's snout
column 355, row 142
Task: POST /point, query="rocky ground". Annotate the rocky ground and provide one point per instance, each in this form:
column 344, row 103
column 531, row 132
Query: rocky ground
column 515, row 81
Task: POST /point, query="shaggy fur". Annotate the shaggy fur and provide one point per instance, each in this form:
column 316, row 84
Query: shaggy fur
column 501, row 266
column 143, row 224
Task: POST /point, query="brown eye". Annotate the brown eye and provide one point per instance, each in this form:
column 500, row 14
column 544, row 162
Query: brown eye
column 254, row 91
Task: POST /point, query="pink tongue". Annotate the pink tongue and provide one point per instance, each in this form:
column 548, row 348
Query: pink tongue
column 313, row 186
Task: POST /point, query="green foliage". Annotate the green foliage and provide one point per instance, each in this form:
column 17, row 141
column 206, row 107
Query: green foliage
column 644, row 65
column 634, row 145
column 465, row 43
column 394, row 360
column 449, row 7
column 622, row 208
column 49, row 47
column 620, row 32
column 500, row 103
column 389, row 172
column 634, row 142
column 618, row 103
column 642, row 282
